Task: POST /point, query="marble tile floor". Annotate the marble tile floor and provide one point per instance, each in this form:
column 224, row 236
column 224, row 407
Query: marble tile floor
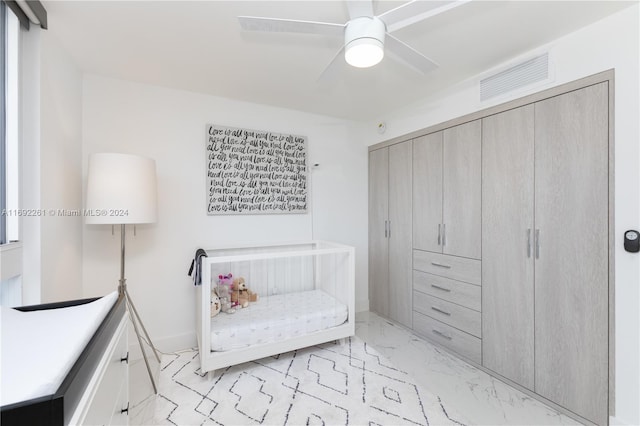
column 483, row 399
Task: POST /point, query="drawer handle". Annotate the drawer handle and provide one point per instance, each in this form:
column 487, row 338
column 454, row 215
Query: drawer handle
column 441, row 311
column 125, row 410
column 125, row 359
column 442, row 265
column 441, row 334
column 441, row 288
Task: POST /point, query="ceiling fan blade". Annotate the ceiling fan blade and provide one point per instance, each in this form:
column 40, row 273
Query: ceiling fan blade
column 358, row 8
column 416, row 11
column 408, row 55
column 253, row 23
column 334, row 68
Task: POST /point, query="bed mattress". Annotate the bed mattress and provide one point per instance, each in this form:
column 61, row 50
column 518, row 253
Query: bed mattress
column 276, row 318
column 40, row 347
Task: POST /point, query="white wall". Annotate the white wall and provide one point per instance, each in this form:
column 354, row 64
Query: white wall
column 60, row 172
column 51, row 169
column 30, row 42
column 169, row 126
column 610, row 43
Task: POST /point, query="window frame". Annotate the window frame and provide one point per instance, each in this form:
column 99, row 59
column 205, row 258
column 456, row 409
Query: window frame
column 3, row 128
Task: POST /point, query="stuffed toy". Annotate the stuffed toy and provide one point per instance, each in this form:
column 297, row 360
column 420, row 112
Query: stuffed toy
column 223, row 290
column 215, row 304
column 225, row 299
column 225, row 280
column 240, row 293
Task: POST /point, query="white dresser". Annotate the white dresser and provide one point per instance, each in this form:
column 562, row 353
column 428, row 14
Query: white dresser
column 106, row 399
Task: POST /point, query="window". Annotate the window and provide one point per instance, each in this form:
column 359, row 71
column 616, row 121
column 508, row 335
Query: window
column 10, row 249
column 9, row 185
column 3, row 121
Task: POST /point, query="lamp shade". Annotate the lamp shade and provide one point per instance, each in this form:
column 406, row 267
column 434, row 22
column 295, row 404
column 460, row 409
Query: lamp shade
column 121, row 189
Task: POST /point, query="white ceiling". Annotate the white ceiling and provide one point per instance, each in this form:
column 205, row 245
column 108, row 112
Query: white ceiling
column 198, row 46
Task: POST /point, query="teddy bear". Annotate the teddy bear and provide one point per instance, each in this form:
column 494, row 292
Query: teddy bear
column 215, row 304
column 223, row 290
column 240, row 294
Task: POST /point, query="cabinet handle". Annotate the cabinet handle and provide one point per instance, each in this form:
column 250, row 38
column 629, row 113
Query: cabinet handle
column 389, row 229
column 537, row 244
column 442, row 265
column 528, row 242
column 125, row 410
column 444, row 234
column 441, row 334
column 385, row 229
column 440, row 288
column 125, row 359
column 440, row 311
column 439, row 226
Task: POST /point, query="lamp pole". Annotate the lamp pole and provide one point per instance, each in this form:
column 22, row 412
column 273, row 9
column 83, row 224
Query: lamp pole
column 135, row 317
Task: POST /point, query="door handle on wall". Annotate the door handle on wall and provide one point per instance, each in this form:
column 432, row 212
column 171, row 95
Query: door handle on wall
column 528, row 242
column 439, row 225
column 385, row 229
column 537, row 244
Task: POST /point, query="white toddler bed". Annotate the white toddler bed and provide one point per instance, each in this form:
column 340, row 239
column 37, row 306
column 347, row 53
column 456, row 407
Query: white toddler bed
column 306, row 297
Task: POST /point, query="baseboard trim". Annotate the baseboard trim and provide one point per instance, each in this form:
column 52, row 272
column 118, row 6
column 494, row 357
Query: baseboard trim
column 165, row 344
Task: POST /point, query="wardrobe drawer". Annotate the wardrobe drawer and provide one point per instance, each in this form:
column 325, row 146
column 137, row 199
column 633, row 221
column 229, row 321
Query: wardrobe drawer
column 467, row 295
column 458, row 341
column 456, row 268
column 455, row 315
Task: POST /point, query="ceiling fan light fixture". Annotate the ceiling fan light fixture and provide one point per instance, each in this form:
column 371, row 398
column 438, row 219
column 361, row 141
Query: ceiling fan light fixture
column 364, row 41
column 364, row 52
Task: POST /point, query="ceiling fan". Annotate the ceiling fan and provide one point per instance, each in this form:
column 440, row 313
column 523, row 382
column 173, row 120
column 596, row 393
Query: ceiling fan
column 366, row 36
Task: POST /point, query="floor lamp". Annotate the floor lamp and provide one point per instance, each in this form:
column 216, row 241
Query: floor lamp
column 121, row 190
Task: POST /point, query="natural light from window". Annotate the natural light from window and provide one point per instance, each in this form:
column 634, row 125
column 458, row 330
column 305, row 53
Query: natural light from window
column 10, row 249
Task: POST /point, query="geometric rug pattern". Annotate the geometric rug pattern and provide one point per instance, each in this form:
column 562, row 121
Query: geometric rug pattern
column 328, row 384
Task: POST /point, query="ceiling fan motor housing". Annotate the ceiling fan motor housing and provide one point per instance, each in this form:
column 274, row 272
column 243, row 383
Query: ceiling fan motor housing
column 364, row 41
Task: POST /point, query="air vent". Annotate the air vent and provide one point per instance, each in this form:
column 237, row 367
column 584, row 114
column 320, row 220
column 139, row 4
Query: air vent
column 529, row 72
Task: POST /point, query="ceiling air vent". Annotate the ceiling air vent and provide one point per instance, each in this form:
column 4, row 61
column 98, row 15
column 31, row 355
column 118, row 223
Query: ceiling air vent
column 526, row 73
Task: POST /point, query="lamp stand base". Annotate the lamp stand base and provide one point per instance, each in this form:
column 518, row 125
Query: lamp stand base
column 136, row 321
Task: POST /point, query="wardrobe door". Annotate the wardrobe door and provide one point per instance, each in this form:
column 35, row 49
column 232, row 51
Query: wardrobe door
column 507, row 240
column 400, row 245
column 427, row 192
column 378, row 222
column 461, row 208
column 571, row 272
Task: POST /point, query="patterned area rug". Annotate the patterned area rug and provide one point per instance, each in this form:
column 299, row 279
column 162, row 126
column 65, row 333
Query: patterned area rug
column 329, row 384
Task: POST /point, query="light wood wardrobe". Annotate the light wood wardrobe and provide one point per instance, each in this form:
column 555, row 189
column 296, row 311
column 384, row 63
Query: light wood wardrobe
column 390, row 287
column 509, row 247
column 545, row 241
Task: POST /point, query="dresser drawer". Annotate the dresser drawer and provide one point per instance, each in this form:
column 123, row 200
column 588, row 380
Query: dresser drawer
column 120, row 415
column 110, row 377
column 457, row 316
column 456, row 268
column 464, row 294
column 449, row 337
